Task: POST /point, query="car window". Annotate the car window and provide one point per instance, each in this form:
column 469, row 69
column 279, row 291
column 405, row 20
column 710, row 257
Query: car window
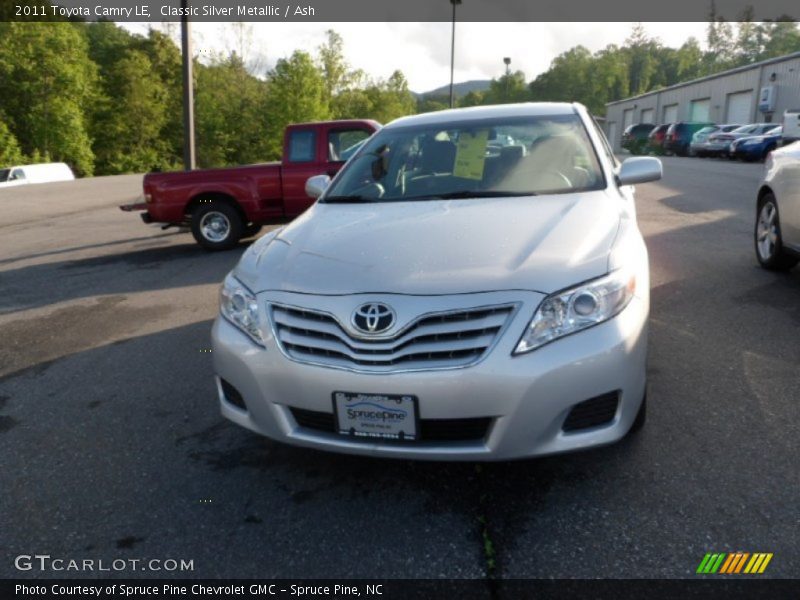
column 4, row 173
column 302, row 145
column 343, row 143
column 493, row 157
column 17, row 175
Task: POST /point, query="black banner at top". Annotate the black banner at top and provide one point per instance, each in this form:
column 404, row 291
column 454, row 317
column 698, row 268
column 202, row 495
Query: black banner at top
column 396, row 10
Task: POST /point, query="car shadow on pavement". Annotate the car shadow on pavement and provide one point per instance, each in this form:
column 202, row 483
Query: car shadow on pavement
column 133, row 271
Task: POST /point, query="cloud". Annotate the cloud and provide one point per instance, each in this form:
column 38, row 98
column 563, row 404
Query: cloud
column 422, row 50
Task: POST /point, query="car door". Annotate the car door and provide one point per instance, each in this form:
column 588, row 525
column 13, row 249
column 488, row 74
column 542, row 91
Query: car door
column 300, row 162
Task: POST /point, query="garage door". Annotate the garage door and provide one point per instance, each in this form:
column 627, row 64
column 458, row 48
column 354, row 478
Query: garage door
column 670, row 113
column 648, row 115
column 699, row 110
column 627, row 118
column 739, row 107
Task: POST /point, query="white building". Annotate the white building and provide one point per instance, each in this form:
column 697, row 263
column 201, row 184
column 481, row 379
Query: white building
column 755, row 93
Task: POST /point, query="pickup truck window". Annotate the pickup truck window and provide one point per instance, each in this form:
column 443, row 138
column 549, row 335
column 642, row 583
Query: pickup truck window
column 17, row 175
column 302, row 145
column 475, row 159
column 342, row 143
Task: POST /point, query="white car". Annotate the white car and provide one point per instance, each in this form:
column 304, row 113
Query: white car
column 41, row 173
column 444, row 302
column 777, row 231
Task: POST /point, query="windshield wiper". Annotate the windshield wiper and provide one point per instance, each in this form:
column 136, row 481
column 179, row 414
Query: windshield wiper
column 463, row 194
column 351, row 199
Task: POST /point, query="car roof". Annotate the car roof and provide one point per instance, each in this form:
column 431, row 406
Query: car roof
column 476, row 113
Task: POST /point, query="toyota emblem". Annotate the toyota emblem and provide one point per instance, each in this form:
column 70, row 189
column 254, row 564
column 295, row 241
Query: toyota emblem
column 373, row 317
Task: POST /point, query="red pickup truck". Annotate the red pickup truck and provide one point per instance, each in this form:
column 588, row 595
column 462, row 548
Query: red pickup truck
column 222, row 206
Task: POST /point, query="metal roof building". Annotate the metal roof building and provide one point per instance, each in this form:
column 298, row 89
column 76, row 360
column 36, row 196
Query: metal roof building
column 755, row 93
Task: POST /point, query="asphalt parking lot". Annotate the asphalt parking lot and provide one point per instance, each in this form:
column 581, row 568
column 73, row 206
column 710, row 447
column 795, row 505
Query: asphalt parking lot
column 112, row 444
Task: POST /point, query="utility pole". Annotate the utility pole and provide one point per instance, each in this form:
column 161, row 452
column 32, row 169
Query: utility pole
column 188, row 90
column 453, row 53
column 507, row 61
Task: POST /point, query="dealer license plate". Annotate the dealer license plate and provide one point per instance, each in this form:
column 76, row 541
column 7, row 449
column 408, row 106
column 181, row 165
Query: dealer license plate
column 386, row 416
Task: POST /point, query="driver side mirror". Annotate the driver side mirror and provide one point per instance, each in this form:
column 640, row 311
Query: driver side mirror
column 316, row 186
column 639, row 170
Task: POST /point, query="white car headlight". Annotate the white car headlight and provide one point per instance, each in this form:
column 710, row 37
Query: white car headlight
column 578, row 308
column 239, row 306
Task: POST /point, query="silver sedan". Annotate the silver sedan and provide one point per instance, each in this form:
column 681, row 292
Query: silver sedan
column 471, row 286
column 777, row 230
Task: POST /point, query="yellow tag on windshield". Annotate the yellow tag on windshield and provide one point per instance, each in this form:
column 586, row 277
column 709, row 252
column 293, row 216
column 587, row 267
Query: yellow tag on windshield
column 471, row 154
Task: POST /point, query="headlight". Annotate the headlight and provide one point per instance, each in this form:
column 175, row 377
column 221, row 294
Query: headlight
column 239, row 306
column 579, row 308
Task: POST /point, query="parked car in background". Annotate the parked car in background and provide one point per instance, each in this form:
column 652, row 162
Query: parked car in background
column 719, row 144
column 635, row 137
column 756, row 147
column 655, row 140
column 388, row 320
column 41, row 173
column 791, row 126
column 678, row 139
column 222, row 206
column 777, row 230
column 699, row 145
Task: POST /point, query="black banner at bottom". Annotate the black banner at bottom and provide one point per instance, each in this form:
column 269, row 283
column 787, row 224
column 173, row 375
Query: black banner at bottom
column 403, row 589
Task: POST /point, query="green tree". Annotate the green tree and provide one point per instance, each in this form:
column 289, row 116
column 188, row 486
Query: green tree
column 10, row 152
column 508, row 88
column 46, row 81
column 335, row 70
column 230, row 114
column 472, row 98
column 296, row 93
column 129, row 124
column 781, row 37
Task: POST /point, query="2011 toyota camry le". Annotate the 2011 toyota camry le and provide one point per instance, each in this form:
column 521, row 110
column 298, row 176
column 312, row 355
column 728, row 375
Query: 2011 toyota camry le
column 472, row 285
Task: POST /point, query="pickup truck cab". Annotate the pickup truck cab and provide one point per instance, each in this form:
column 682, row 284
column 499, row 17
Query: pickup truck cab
column 222, row 206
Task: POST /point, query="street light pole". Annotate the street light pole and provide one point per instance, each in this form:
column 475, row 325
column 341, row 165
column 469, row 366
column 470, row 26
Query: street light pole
column 507, row 61
column 453, row 53
column 188, row 90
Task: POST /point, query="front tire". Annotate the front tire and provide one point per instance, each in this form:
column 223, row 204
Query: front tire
column 768, row 241
column 217, row 225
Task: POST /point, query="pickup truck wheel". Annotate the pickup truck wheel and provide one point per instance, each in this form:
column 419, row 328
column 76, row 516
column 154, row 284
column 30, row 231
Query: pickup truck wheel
column 217, row 226
column 251, row 230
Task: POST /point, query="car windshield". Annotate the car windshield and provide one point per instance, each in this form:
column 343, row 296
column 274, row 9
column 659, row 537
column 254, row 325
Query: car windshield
column 709, row 129
column 474, row 159
column 745, row 129
column 4, row 173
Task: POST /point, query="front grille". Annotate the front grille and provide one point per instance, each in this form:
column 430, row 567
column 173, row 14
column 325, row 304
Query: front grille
column 442, row 340
column 592, row 413
column 431, row 430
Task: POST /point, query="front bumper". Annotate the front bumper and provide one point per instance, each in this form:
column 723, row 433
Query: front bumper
column 527, row 397
column 747, row 152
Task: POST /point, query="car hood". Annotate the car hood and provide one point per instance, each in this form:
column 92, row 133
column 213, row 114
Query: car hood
column 542, row 243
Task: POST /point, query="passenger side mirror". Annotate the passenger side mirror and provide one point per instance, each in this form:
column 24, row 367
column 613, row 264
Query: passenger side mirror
column 639, row 170
column 315, row 186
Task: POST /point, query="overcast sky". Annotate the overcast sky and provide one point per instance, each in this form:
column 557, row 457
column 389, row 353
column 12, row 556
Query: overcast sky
column 422, row 50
